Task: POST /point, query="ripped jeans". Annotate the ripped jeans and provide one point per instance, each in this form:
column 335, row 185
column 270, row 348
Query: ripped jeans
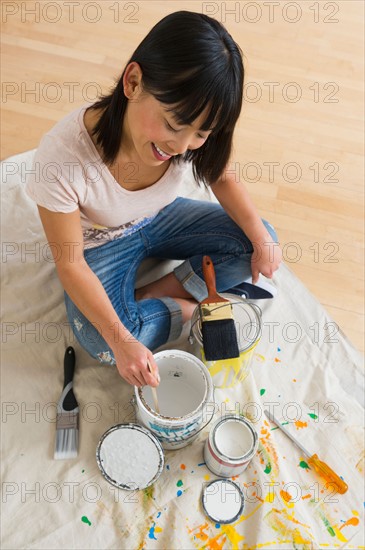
column 184, row 230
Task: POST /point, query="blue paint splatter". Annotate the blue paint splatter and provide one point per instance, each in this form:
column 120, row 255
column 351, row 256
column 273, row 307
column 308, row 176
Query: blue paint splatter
column 167, row 467
column 158, row 515
column 179, row 493
column 201, row 464
column 279, row 349
column 151, row 533
column 218, row 525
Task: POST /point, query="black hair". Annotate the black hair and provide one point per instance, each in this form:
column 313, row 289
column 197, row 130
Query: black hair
column 189, row 61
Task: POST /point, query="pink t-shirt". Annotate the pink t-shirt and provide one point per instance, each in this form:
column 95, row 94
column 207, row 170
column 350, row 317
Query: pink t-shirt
column 68, row 173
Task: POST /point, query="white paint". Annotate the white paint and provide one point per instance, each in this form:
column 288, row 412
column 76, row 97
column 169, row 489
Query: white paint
column 130, row 457
column 233, row 439
column 222, row 501
column 177, row 397
column 185, row 395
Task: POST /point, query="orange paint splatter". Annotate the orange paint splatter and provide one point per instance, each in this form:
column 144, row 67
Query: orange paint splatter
column 306, row 496
column 285, row 496
column 351, row 521
column 234, row 477
column 277, row 360
column 294, row 379
column 300, row 424
column 182, row 466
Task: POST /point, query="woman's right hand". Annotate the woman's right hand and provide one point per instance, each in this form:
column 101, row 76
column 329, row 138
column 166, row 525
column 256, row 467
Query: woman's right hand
column 132, row 360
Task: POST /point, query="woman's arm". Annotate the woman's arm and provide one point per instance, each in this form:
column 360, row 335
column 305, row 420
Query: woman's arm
column 88, row 294
column 236, row 201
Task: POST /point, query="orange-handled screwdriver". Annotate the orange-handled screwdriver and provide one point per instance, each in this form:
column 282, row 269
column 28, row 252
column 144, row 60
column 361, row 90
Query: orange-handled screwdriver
column 320, row 467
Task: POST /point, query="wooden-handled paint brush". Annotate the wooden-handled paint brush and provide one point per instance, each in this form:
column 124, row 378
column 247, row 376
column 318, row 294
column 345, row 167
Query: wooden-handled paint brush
column 218, row 327
column 67, row 424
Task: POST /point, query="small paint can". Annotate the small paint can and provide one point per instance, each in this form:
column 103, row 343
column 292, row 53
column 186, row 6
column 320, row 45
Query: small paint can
column 230, row 446
column 226, row 373
column 222, row 501
column 185, row 397
column 130, row 457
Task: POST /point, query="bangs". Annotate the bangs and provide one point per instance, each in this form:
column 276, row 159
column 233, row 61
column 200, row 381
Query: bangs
column 218, row 99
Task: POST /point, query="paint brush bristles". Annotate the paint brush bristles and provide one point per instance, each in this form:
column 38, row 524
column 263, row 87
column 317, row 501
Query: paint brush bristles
column 218, row 326
column 67, row 428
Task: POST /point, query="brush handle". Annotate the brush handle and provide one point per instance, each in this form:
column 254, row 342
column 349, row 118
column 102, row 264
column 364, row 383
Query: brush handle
column 209, row 277
column 69, row 365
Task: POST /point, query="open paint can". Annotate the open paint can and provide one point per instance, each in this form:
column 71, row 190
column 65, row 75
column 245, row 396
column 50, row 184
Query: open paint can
column 222, row 501
column 185, row 397
column 226, row 373
column 232, row 443
column 130, row 457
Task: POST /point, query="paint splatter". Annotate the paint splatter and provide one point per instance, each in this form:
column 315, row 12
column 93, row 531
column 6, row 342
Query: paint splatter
column 86, row 520
column 158, row 515
column 277, row 360
column 279, row 349
column 207, row 477
column 351, row 521
column 167, row 466
column 182, row 466
column 299, row 424
column 268, row 457
column 82, row 471
column 201, row 464
column 303, row 464
column 260, row 358
column 153, row 530
column 285, row 495
column 179, row 493
column 217, row 525
column 179, row 483
column 262, row 391
column 281, row 521
column 312, row 415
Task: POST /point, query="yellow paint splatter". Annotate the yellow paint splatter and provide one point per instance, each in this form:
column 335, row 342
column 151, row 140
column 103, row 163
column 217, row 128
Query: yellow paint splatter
column 207, row 477
column 299, row 424
column 232, row 535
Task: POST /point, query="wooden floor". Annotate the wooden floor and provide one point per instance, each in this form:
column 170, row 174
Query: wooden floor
column 299, row 144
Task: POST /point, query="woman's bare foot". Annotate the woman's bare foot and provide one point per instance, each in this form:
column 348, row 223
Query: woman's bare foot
column 170, row 286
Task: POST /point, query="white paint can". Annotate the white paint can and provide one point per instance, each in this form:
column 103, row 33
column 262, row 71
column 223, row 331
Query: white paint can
column 185, row 397
column 232, row 443
column 226, row 373
column 130, row 457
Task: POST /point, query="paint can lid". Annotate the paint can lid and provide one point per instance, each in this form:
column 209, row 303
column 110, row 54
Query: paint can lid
column 130, row 457
column 222, row 501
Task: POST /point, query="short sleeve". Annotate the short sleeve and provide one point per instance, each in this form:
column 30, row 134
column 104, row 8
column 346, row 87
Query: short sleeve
column 56, row 180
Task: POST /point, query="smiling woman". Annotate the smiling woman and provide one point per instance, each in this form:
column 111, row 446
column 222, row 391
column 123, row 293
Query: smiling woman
column 171, row 118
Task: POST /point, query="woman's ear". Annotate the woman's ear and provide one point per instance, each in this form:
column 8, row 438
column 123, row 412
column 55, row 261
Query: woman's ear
column 132, row 81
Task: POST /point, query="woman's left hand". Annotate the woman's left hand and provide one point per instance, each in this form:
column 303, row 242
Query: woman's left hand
column 265, row 259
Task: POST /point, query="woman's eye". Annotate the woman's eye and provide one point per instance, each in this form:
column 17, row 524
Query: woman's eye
column 169, row 127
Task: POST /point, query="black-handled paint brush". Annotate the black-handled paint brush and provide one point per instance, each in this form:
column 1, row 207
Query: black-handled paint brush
column 67, row 424
column 218, row 327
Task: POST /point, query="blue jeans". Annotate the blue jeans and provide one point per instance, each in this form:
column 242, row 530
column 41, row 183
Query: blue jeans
column 184, row 230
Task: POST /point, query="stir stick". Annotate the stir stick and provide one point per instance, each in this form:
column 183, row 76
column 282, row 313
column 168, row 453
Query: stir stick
column 154, row 392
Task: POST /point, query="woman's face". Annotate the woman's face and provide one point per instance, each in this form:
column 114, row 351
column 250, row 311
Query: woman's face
column 152, row 133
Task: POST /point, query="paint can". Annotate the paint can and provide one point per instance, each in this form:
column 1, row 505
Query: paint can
column 185, row 397
column 130, row 457
column 230, row 446
column 227, row 373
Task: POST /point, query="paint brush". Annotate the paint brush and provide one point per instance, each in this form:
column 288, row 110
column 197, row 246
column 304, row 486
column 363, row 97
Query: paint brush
column 67, row 423
column 154, row 392
column 320, row 467
column 218, row 327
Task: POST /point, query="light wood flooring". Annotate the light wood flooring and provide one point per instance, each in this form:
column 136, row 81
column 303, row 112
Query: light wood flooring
column 299, row 143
